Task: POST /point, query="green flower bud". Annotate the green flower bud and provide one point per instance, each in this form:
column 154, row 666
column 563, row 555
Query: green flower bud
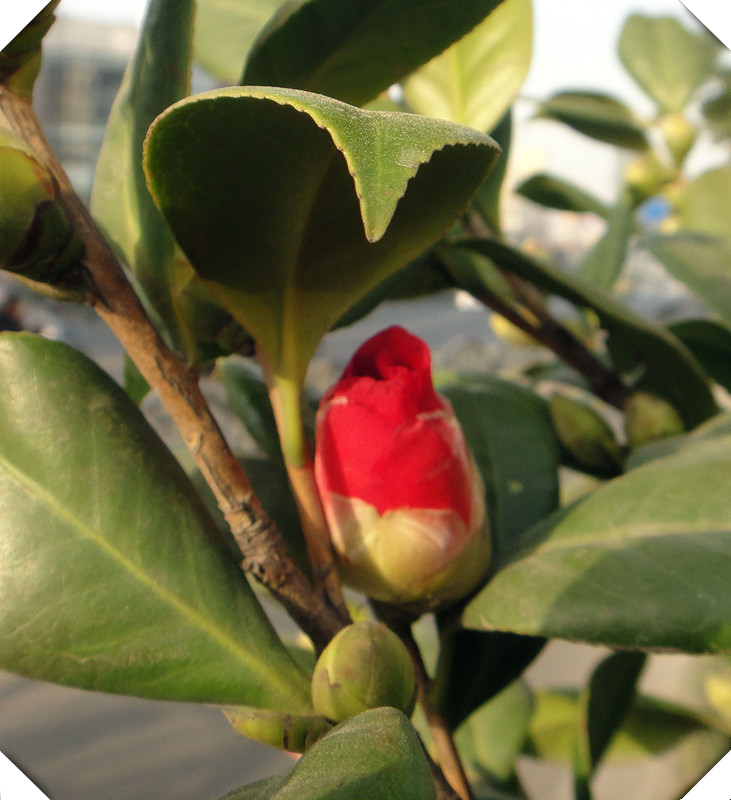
column 648, row 418
column 647, row 176
column 585, row 434
column 679, row 135
column 365, row 666
column 37, row 241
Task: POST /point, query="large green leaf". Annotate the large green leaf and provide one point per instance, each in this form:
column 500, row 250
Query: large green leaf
column 224, row 32
column 667, row 60
column 476, row 79
column 643, row 562
column 703, row 205
column 325, row 202
column 353, row 51
column 637, row 345
column 375, row 754
column 511, row 435
column 553, row 192
column 701, row 262
column 596, row 115
column 157, row 76
column 113, row 577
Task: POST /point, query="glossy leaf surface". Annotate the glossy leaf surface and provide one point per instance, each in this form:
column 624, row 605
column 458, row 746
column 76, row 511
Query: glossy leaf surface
column 317, row 211
column 353, row 51
column 597, row 116
column 113, row 577
column 478, row 77
column 668, row 61
column 375, row 754
column 641, row 563
column 667, row 367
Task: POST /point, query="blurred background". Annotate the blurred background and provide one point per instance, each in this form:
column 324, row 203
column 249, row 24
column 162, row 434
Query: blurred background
column 81, row 745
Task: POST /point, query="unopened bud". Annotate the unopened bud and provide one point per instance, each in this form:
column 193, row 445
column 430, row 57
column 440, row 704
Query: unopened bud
column 648, row 417
column 365, row 666
column 585, row 434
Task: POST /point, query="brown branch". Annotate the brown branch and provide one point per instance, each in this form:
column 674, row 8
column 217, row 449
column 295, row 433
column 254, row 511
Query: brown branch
column 540, row 324
column 111, row 295
column 544, row 328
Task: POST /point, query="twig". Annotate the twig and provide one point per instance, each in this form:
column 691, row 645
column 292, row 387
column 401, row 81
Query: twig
column 540, row 325
column 111, row 295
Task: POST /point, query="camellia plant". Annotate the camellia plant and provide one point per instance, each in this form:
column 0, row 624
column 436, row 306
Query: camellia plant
column 237, row 228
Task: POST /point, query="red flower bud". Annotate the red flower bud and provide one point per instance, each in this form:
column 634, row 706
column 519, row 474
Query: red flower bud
column 402, row 494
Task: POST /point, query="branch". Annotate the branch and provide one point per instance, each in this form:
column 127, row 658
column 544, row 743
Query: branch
column 605, row 383
column 111, row 295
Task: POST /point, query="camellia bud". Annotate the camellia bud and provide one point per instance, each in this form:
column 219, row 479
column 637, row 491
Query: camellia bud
column 585, row 434
column 648, row 418
column 365, row 666
column 679, row 135
column 401, row 492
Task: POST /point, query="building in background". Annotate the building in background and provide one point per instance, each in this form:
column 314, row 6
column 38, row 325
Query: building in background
column 83, row 65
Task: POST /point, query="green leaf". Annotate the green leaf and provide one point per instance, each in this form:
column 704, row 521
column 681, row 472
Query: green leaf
column 668, row 61
column 642, row 562
column 552, row 192
column 603, row 706
column 224, row 32
column 701, row 262
column 602, row 265
column 596, row 115
column 158, row 75
column 511, row 435
column 492, row 738
column 113, row 576
column 667, row 368
column 477, row 78
column 375, row 754
column 474, row 666
column 354, row 51
column 710, row 342
column 702, row 205
column 317, row 211
column 650, row 728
